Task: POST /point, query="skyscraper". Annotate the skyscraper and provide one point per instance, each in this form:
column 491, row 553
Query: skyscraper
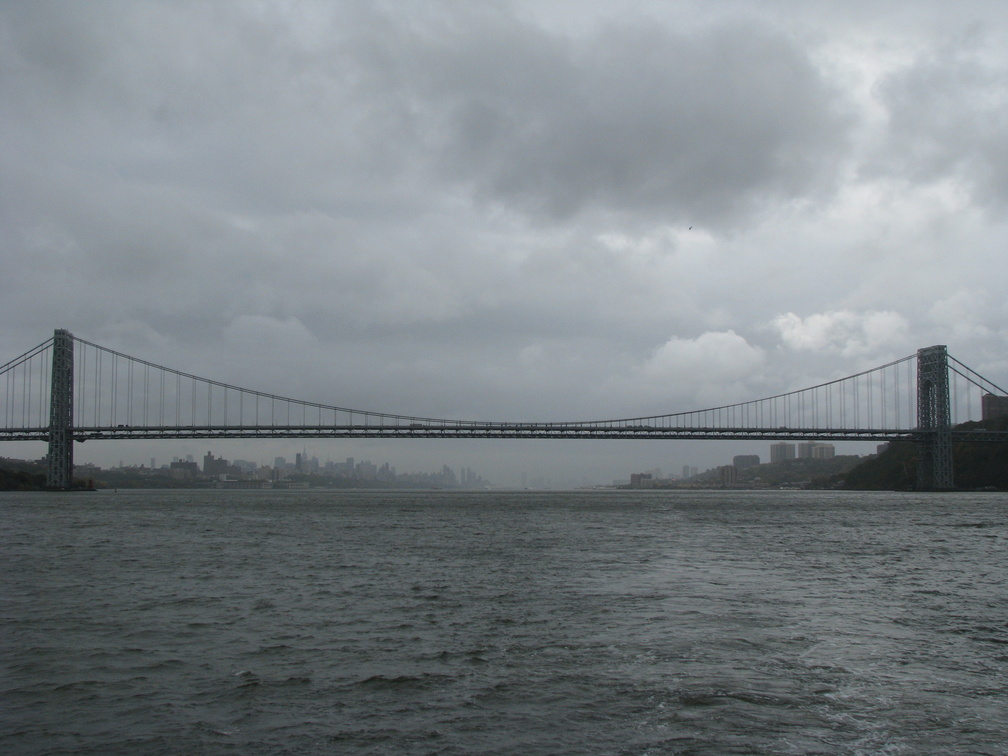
column 781, row 452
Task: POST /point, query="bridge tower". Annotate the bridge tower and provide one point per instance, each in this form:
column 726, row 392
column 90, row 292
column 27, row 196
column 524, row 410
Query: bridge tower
column 61, row 412
column 934, row 467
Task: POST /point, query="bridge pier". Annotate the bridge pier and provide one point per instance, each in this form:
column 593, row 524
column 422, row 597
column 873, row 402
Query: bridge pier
column 60, row 472
column 934, row 466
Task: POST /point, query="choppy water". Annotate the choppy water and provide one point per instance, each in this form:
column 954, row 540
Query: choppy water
column 492, row 623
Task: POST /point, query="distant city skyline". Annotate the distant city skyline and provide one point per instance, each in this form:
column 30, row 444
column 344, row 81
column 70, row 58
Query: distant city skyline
column 708, row 454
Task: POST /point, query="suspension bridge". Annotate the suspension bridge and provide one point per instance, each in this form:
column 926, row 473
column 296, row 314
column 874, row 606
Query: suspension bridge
column 68, row 390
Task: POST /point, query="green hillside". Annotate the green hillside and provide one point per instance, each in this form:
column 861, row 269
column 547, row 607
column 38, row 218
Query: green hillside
column 974, row 465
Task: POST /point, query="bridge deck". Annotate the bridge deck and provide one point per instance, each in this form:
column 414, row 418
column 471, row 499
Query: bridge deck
column 493, row 430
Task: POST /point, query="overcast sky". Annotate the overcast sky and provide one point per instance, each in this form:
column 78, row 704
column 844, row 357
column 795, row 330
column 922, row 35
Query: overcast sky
column 535, row 210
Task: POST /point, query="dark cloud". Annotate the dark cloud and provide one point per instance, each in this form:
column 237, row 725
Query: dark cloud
column 239, row 106
column 636, row 120
column 948, row 117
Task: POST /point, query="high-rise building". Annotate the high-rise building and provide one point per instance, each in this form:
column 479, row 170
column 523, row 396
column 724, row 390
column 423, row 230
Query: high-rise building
column 741, row 461
column 815, row 450
column 992, row 406
column 781, row 452
column 215, row 465
column 823, row 451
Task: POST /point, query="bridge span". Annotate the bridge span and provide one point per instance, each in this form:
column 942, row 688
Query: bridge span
column 69, row 390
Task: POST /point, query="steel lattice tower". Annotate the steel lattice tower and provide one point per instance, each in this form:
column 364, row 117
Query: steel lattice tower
column 934, row 467
column 61, row 412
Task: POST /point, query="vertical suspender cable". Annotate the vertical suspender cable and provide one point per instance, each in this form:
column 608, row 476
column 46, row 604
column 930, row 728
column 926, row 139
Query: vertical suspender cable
column 896, row 388
column 871, row 402
column 97, row 388
column 24, row 393
column 81, row 377
column 129, row 392
column 29, row 382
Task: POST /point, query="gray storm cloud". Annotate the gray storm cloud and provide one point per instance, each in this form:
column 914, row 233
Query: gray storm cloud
column 637, row 120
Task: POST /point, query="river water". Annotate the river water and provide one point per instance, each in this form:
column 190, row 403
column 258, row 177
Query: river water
column 497, row 623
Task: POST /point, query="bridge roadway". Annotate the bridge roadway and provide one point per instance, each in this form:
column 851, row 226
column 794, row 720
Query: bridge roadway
column 474, row 430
